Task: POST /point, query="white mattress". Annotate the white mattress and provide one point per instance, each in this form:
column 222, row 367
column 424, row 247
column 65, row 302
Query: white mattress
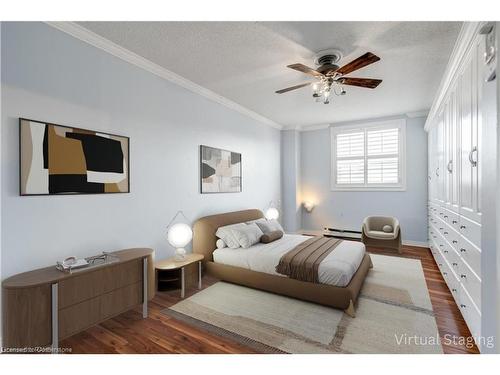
column 336, row 269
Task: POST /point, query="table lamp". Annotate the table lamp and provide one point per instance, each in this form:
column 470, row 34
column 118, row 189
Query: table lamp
column 179, row 235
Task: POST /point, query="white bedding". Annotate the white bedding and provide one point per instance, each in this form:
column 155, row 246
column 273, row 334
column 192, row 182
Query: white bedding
column 336, row 269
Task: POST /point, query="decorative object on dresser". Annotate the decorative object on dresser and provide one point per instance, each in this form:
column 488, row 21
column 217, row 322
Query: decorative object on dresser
column 220, row 171
column 167, row 271
column 381, row 231
column 455, row 127
column 56, row 159
column 44, row 306
column 179, row 235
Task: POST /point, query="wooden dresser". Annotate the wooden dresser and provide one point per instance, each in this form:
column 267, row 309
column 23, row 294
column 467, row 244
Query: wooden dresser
column 44, row 306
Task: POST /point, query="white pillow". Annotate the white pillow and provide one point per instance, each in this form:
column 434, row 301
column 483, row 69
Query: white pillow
column 387, row 228
column 261, row 220
column 227, row 235
column 220, row 244
column 268, row 226
column 248, row 235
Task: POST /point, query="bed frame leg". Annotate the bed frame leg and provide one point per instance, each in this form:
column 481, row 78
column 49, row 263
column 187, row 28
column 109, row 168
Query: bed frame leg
column 350, row 310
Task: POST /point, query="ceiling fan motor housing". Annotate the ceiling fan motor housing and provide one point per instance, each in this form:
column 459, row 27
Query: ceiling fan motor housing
column 327, row 60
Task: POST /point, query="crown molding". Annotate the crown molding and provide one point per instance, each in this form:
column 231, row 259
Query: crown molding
column 462, row 45
column 114, row 49
column 417, row 114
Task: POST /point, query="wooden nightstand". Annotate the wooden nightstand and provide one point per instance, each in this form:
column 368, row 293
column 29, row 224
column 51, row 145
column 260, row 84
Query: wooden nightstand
column 172, row 264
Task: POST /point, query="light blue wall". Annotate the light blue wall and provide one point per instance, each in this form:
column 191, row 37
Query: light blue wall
column 51, row 76
column 347, row 209
column 290, row 180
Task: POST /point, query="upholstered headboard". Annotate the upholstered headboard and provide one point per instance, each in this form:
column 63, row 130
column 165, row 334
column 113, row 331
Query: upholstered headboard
column 204, row 229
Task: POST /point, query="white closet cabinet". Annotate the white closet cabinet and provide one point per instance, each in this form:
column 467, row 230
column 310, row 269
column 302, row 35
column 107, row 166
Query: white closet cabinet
column 455, row 184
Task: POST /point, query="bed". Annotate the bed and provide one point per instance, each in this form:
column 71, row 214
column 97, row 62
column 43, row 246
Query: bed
column 254, row 267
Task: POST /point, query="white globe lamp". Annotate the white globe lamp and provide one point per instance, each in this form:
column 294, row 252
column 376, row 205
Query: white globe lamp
column 179, row 235
column 272, row 213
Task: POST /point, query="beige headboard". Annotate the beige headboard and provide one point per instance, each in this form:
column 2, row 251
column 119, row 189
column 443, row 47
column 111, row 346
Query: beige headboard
column 204, row 229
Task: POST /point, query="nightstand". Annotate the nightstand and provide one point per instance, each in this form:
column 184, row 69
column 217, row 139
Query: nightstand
column 167, row 271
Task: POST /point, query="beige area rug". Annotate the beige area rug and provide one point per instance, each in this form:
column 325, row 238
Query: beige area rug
column 393, row 315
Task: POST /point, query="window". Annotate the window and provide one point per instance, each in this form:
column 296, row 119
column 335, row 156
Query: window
column 369, row 157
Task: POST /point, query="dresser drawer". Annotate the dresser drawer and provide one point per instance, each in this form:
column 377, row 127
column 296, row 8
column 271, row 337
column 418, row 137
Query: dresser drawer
column 471, row 283
column 78, row 317
column 121, row 275
column 471, row 231
column 471, row 255
column 470, row 313
column 80, row 288
column 121, row 300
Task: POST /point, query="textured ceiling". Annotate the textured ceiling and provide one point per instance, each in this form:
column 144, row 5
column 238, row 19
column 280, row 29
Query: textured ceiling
column 246, row 62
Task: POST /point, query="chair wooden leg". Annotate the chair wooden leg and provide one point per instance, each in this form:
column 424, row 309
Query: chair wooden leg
column 350, row 310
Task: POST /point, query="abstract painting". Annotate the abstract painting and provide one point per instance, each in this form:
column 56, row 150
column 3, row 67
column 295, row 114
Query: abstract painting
column 220, row 170
column 57, row 159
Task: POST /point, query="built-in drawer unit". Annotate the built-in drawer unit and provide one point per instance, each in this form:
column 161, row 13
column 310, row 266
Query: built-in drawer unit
column 471, row 230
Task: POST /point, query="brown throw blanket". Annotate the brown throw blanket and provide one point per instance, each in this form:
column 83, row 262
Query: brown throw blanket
column 303, row 261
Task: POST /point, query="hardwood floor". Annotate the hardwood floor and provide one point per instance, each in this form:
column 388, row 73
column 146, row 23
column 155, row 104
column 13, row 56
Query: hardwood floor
column 130, row 333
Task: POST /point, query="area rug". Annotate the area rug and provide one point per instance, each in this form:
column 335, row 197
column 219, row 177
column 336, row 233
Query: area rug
column 393, row 315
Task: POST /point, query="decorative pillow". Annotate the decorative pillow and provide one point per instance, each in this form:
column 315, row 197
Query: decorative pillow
column 261, row 220
column 247, row 235
column 271, row 236
column 220, row 244
column 270, row 226
column 225, row 234
column 387, row 228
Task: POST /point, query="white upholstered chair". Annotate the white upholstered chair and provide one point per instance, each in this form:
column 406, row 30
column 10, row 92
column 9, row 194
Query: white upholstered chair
column 382, row 231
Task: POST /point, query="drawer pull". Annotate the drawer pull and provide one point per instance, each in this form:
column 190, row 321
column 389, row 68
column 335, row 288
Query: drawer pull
column 462, row 276
column 449, row 166
column 445, row 233
column 462, row 226
column 446, row 216
column 454, row 290
column 454, row 264
column 440, row 264
column 454, row 221
column 462, row 306
column 445, row 273
column 446, row 251
column 454, row 241
column 434, row 236
column 441, row 228
column 463, row 250
column 441, row 245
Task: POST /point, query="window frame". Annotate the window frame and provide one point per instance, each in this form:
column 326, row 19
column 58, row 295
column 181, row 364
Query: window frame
column 365, row 127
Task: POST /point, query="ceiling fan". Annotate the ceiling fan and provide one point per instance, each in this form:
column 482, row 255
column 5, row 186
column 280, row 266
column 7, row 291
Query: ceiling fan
column 330, row 76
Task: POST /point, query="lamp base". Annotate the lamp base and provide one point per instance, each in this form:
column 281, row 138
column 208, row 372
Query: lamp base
column 180, row 253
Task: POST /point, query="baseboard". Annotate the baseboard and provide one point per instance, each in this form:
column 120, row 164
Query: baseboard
column 416, row 243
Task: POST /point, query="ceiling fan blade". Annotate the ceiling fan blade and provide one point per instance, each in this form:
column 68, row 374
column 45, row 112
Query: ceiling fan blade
column 368, row 83
column 293, row 88
column 305, row 69
column 362, row 61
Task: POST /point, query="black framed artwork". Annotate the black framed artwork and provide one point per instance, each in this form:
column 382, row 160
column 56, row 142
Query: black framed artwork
column 220, row 170
column 57, row 159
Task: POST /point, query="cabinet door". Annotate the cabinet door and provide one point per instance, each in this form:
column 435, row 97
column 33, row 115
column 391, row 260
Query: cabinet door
column 469, row 136
column 440, row 159
column 452, row 140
